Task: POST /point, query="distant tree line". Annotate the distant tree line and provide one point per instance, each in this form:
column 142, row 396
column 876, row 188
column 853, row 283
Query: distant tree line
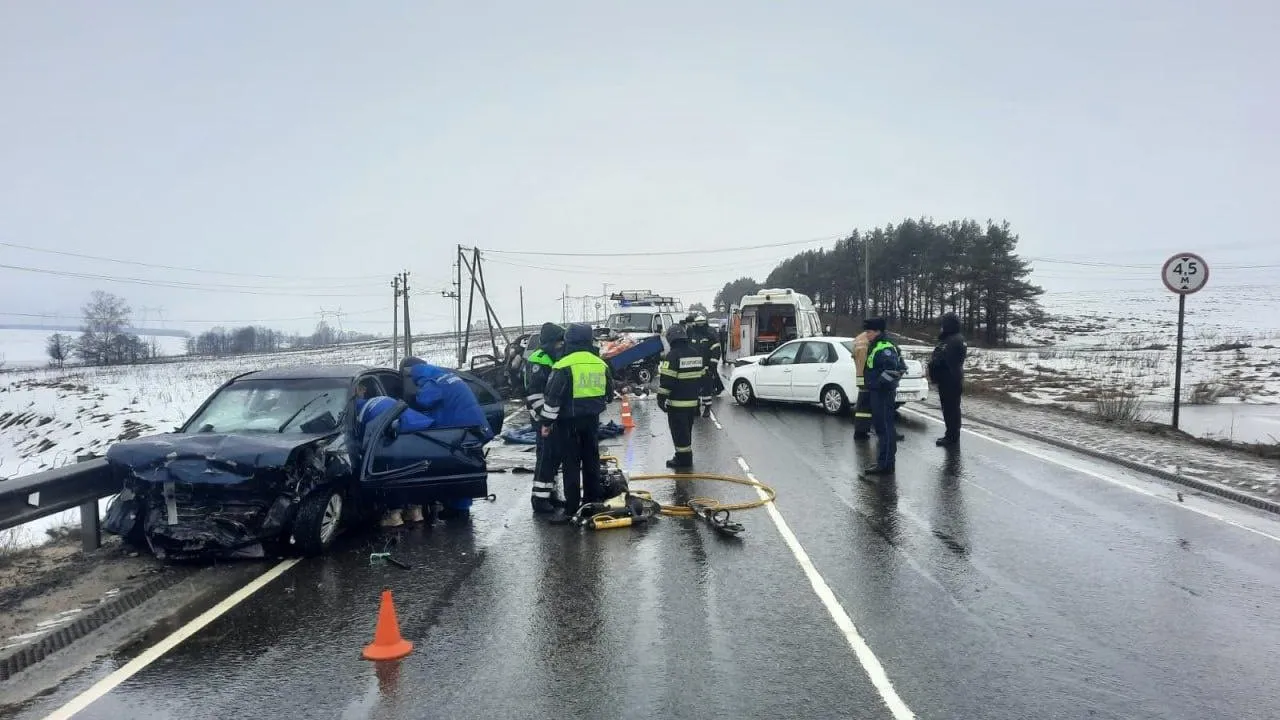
column 105, row 338
column 919, row 269
column 253, row 339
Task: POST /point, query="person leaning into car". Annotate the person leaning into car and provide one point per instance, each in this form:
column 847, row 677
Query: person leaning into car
column 370, row 409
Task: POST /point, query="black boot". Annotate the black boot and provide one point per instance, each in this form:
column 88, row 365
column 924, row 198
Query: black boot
column 542, row 506
column 682, row 461
column 946, row 442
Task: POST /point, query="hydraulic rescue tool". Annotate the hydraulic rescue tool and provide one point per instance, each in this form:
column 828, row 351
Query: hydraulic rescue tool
column 626, row 507
column 717, row 518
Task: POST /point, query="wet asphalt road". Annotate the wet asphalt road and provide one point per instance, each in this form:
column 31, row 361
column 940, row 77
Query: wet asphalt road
column 989, row 583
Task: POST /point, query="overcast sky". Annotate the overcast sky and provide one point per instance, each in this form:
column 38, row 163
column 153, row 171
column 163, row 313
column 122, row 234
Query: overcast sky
column 337, row 143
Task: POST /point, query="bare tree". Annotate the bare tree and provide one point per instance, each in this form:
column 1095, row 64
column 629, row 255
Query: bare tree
column 103, row 339
column 59, row 347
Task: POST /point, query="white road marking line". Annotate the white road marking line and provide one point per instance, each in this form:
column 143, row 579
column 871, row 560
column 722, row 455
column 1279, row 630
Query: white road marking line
column 870, row 663
column 1105, row 478
column 155, row 652
column 715, row 420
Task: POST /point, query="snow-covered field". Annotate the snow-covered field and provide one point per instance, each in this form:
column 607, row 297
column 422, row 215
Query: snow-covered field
column 1126, row 341
column 27, row 348
column 48, row 417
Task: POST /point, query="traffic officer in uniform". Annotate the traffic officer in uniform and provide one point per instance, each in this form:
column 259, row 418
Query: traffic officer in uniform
column 681, row 379
column 577, row 392
column 884, row 367
column 537, row 370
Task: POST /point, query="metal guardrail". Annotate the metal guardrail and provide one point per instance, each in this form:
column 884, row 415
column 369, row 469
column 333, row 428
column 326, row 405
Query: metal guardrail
column 31, row 497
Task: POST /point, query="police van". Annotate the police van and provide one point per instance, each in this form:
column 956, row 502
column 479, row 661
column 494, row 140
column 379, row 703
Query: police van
column 771, row 316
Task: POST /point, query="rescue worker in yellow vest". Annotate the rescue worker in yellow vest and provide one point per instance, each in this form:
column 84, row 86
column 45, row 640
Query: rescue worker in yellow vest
column 884, row 367
column 579, row 389
column 862, row 409
column 681, row 379
column 537, row 371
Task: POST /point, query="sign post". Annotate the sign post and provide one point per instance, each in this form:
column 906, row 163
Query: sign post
column 1183, row 274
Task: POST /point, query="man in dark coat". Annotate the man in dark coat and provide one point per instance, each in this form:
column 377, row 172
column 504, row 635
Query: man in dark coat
column 946, row 371
column 578, row 389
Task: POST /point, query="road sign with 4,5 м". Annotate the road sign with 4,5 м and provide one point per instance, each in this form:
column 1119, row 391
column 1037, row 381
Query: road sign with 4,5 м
column 1185, row 273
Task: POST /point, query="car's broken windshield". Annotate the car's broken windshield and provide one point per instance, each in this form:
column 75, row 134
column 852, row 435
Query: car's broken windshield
column 269, row 406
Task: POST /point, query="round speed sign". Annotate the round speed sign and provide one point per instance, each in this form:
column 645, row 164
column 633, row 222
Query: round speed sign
column 1185, row 273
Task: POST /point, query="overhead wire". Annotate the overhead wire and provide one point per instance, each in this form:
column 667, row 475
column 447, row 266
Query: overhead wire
column 159, row 266
column 180, row 285
column 651, row 253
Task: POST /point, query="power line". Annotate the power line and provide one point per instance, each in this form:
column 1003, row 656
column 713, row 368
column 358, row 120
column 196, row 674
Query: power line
column 635, row 272
column 179, row 285
column 158, row 266
column 665, row 252
column 76, row 316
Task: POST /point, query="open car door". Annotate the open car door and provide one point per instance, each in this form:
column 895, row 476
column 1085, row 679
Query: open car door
column 432, row 464
column 419, row 467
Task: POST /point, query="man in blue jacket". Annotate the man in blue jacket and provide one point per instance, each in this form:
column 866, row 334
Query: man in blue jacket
column 442, row 396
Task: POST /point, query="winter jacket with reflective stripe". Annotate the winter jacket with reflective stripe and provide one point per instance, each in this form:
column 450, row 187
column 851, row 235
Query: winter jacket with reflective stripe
column 680, row 377
column 537, row 370
column 884, row 366
column 580, row 385
column 706, row 341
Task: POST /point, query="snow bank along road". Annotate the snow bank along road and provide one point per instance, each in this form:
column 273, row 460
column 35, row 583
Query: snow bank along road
column 1002, row 581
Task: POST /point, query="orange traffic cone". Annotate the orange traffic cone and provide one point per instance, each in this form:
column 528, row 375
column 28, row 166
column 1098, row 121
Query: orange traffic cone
column 387, row 643
column 627, row 422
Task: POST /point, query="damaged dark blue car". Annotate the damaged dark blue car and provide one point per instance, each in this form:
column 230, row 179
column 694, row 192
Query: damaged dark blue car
column 273, row 462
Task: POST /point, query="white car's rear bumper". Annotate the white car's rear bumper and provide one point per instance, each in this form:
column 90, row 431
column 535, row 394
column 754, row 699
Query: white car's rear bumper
column 913, row 390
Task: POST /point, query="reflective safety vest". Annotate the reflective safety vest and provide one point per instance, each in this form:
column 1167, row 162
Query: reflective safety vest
column 881, row 345
column 541, row 357
column 590, row 374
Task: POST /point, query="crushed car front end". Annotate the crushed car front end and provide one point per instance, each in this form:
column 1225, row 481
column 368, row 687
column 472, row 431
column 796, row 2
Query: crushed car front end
column 211, row 495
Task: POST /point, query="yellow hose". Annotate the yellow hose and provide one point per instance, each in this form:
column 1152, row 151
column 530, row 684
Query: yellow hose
column 685, row 510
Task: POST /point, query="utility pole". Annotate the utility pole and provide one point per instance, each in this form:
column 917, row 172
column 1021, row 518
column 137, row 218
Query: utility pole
column 521, row 308
column 395, row 319
column 408, row 333
column 457, row 296
column 866, row 276
column 564, row 306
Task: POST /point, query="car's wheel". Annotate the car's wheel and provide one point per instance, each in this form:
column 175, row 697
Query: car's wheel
column 833, row 400
column 644, row 375
column 317, row 521
column 743, row 393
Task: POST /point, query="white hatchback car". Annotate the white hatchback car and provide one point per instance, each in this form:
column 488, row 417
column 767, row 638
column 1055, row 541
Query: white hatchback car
column 814, row 370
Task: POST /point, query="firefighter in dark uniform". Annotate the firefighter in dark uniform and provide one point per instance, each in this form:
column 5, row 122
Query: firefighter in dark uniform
column 681, row 379
column 704, row 340
column 884, row 368
column 577, row 392
column 537, row 370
